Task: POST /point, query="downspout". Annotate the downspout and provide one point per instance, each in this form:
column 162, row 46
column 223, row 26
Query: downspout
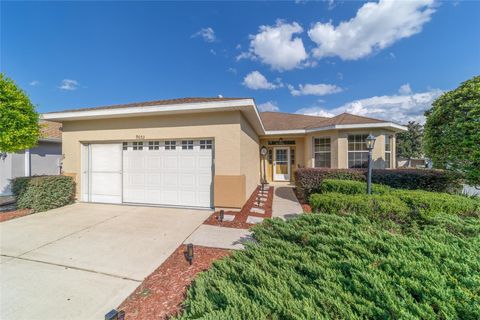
column 27, row 163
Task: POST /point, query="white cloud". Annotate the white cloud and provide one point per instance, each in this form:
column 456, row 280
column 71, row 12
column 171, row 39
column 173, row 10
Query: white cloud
column 232, row 70
column 69, row 84
column 315, row 111
column 255, row 80
column 208, row 34
column 320, row 89
column 405, row 89
column 34, row 83
column 276, row 46
column 376, row 26
column 268, row 106
column 397, row 108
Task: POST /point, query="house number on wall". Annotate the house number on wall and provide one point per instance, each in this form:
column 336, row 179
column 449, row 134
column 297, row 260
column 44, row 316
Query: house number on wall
column 139, row 136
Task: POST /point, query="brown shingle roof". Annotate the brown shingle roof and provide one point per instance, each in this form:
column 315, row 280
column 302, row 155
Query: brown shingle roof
column 50, row 130
column 155, row 103
column 288, row 121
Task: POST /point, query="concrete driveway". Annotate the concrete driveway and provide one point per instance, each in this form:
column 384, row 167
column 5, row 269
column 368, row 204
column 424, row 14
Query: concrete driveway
column 82, row 260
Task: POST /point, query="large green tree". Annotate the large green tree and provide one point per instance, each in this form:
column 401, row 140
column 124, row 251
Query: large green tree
column 19, row 128
column 452, row 130
column 409, row 143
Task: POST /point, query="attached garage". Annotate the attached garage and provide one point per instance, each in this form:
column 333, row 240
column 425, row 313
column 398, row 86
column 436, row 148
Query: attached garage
column 176, row 172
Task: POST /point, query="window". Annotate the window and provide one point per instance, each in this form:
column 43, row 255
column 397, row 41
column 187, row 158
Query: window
column 205, row 144
column 187, row 145
column 170, row 145
column 322, row 152
column 388, row 152
column 138, row 146
column 357, row 151
column 292, row 156
column 153, row 145
column 125, row 145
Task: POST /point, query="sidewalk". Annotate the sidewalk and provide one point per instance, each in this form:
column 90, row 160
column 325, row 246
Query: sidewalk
column 285, row 203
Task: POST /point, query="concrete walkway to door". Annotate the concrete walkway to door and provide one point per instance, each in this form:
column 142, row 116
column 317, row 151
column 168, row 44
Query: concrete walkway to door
column 285, row 204
column 82, row 260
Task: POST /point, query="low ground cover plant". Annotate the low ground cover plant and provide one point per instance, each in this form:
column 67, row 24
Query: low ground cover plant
column 42, row 193
column 324, row 266
column 309, row 180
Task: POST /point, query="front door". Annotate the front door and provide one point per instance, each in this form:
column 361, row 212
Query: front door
column 281, row 164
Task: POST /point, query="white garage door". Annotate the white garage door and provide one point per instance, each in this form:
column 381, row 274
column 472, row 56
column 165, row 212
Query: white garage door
column 175, row 172
column 104, row 173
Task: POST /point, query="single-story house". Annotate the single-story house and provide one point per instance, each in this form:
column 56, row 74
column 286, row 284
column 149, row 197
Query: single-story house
column 204, row 152
column 45, row 158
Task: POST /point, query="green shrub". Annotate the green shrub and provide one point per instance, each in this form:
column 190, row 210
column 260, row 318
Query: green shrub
column 423, row 179
column 401, row 206
column 19, row 185
column 309, row 180
column 351, row 187
column 342, row 267
column 376, row 206
column 42, row 193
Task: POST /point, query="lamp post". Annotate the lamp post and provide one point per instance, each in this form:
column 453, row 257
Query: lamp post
column 370, row 144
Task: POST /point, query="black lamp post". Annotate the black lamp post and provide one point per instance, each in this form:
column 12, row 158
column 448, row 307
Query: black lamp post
column 370, row 145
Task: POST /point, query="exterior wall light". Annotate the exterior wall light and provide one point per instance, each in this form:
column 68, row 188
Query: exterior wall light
column 190, row 253
column 370, row 144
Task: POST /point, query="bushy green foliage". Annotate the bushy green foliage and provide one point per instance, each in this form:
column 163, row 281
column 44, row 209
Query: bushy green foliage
column 309, row 180
column 409, row 143
column 452, row 134
column 19, row 127
column 42, row 193
column 422, row 179
column 345, row 267
column 401, row 206
column 351, row 187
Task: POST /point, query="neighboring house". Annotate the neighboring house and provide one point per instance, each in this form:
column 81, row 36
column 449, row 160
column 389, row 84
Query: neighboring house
column 42, row 159
column 204, row 152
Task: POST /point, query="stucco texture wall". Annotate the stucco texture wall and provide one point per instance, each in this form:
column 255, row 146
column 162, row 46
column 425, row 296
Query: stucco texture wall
column 224, row 127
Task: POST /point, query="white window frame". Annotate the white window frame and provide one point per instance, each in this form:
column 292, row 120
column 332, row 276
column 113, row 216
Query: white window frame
column 187, row 144
column 389, row 137
column 314, row 152
column 355, row 151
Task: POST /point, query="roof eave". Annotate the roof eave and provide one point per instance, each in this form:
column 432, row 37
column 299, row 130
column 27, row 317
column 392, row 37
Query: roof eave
column 194, row 107
column 389, row 125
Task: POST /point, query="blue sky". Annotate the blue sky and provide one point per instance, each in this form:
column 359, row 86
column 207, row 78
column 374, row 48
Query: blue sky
column 380, row 59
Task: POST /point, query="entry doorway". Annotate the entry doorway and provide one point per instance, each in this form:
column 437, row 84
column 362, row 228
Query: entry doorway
column 281, row 164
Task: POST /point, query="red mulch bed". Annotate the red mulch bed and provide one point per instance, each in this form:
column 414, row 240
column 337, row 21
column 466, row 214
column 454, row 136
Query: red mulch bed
column 4, row 216
column 161, row 294
column 305, row 206
column 240, row 221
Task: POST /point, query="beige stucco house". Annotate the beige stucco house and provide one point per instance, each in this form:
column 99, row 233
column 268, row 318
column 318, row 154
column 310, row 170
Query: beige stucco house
column 204, row 152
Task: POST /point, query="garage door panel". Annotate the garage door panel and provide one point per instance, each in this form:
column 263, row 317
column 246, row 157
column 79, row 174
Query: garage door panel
column 170, row 177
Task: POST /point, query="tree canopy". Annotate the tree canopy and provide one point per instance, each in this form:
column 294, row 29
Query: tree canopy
column 409, row 143
column 452, row 130
column 19, row 128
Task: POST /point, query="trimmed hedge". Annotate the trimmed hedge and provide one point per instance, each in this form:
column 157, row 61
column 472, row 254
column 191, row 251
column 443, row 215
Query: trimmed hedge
column 309, row 180
column 349, row 197
column 351, row 187
column 344, row 267
column 428, row 180
column 42, row 193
